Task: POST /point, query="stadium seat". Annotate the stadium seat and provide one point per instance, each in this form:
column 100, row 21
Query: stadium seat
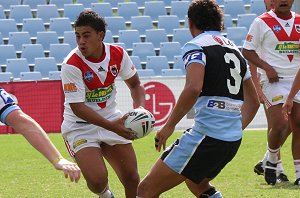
column 136, row 61
column 33, row 25
column 181, row 35
column 6, row 26
column 34, row 3
column 227, row 21
column 154, row 9
column 157, row 63
column 2, row 15
column 1, row 39
column 46, row 38
column 237, row 35
column 59, row 51
column 127, row 10
column 234, row 7
column 103, row 9
column 178, row 63
column 15, row 66
column 7, row 3
column 172, row 72
column 45, row 65
column 6, row 76
column 141, row 3
column 156, row 36
column 59, row 25
column 168, row 22
column 108, row 37
column 179, row 8
column 145, row 72
column 31, row 51
column 60, row 3
column 31, row 75
column 113, row 3
column 54, row 75
column 170, row 49
column 87, row 3
column 19, row 12
column 129, row 37
column 141, row 23
column 121, row 45
column 245, row 20
column 257, row 7
column 143, row 50
column 18, row 39
column 46, row 12
column 70, row 38
column 7, row 52
column 220, row 2
column 115, row 23
column 72, row 11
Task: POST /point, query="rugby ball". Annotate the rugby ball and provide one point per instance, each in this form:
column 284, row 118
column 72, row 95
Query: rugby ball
column 141, row 121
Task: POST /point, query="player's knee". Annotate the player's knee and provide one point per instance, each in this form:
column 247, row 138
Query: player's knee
column 132, row 179
column 145, row 190
column 97, row 185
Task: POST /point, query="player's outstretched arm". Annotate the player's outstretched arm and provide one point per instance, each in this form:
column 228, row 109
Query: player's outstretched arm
column 37, row 137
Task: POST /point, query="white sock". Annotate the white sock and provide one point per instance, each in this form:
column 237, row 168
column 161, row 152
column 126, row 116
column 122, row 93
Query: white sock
column 279, row 167
column 297, row 168
column 266, row 156
column 106, row 193
column 273, row 155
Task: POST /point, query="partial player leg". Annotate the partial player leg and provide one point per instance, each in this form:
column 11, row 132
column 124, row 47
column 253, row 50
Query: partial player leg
column 204, row 189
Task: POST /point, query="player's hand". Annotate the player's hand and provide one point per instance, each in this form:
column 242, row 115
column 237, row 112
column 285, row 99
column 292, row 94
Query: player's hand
column 161, row 137
column 119, row 128
column 287, row 107
column 272, row 75
column 70, row 169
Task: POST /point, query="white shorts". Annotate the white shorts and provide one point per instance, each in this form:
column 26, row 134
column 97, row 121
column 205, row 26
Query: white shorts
column 81, row 135
column 277, row 92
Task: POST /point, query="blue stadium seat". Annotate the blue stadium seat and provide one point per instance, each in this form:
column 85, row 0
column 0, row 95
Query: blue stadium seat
column 46, row 38
column 127, row 10
column 2, row 15
column 168, row 22
column 6, row 26
column 178, row 63
column 72, row 11
column 113, row 3
column 129, row 37
column 172, row 72
column 145, row 72
column 1, row 39
column 7, row 52
column 6, row 77
column 15, row 66
column 220, row 2
column 19, row 12
column 34, row 3
column 31, row 75
column 59, row 25
column 136, row 61
column 87, row 3
column 121, row 45
column 18, row 39
column 157, row 63
column 141, row 23
column 181, row 35
column 154, row 9
column 156, row 36
column 54, row 75
column 33, row 25
column 60, row 3
column 227, row 21
column 31, row 51
column 108, row 37
column 170, row 49
column 237, row 35
column 245, row 20
column 179, row 8
column 141, row 3
column 115, row 23
column 59, row 51
column 103, row 9
column 70, row 38
column 45, row 65
column 257, row 7
column 143, row 50
column 7, row 3
column 46, row 12
column 234, row 7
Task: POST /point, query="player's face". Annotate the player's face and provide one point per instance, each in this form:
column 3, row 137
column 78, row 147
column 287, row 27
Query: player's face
column 89, row 41
column 269, row 4
column 283, row 7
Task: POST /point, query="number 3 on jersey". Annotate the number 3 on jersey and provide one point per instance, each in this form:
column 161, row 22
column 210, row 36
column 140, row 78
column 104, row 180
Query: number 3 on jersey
column 231, row 59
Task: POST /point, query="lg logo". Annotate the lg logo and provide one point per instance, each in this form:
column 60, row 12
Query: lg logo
column 159, row 100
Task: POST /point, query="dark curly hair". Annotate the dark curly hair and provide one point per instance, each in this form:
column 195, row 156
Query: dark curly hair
column 206, row 15
column 92, row 19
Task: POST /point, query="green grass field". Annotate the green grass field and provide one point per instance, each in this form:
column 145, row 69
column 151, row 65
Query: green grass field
column 25, row 173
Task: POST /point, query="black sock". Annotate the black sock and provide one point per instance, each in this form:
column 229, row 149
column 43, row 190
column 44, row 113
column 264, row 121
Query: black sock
column 211, row 191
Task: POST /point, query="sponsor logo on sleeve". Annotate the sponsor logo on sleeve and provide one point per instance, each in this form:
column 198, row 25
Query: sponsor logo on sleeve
column 249, row 38
column 70, row 87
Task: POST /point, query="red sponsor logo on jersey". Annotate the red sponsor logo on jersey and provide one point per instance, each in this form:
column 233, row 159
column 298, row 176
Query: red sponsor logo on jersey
column 218, row 40
column 160, row 101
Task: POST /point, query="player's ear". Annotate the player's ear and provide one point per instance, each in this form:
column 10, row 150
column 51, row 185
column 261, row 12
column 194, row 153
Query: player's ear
column 101, row 36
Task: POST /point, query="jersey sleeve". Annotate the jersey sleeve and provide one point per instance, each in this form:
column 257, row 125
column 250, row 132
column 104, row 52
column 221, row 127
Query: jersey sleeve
column 127, row 68
column 193, row 53
column 73, row 85
column 7, row 105
column 254, row 36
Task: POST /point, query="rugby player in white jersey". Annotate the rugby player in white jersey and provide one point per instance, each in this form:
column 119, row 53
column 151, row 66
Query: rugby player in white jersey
column 93, row 126
column 219, row 86
column 12, row 115
column 277, row 34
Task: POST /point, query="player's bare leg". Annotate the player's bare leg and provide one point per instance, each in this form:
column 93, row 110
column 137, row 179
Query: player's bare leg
column 203, row 189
